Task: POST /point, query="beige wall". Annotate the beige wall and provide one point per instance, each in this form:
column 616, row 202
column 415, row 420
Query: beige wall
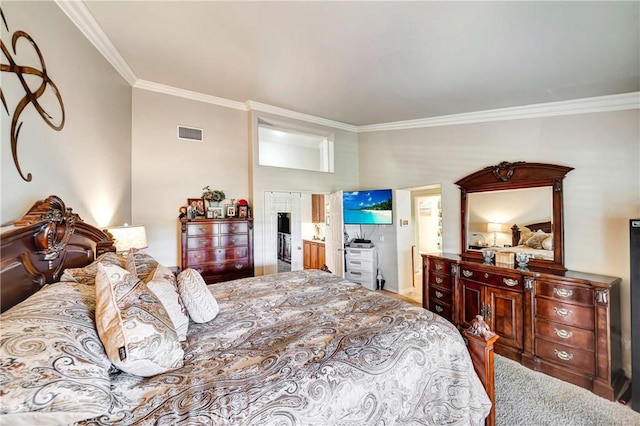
column 88, row 162
column 264, row 178
column 601, row 194
column 166, row 171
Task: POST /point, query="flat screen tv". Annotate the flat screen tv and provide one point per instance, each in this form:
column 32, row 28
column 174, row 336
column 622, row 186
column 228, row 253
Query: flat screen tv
column 367, row 207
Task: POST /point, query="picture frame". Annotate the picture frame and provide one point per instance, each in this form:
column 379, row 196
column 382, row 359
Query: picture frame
column 243, row 212
column 217, row 212
column 210, row 214
column 231, row 210
column 197, row 204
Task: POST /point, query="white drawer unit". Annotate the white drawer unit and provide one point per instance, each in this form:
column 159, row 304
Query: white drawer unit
column 362, row 266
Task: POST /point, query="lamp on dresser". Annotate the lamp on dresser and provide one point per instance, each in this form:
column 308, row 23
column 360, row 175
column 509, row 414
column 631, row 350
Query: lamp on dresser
column 128, row 236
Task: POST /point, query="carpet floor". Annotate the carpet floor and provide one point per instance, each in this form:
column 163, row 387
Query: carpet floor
column 529, row 398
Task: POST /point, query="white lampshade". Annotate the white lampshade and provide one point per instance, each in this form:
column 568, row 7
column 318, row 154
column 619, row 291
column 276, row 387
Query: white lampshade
column 129, row 236
column 494, row 227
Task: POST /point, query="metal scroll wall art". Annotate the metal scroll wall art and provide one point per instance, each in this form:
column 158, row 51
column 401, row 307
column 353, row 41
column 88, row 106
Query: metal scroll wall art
column 30, row 96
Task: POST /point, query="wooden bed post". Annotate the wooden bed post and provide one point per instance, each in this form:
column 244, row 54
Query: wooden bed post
column 480, row 340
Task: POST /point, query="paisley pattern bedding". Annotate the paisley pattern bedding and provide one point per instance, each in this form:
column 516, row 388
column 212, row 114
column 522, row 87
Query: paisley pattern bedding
column 299, row 348
column 308, row 348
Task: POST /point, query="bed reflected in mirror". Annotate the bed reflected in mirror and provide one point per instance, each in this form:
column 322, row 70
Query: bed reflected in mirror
column 492, row 216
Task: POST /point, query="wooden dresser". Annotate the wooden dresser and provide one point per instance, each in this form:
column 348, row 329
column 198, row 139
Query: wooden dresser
column 565, row 324
column 220, row 249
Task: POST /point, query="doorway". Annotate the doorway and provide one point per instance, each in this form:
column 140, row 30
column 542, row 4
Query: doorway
column 282, row 232
column 427, row 216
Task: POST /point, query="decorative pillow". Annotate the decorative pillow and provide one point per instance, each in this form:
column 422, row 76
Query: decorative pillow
column 53, row 367
column 87, row 275
column 536, row 240
column 141, row 264
column 524, row 237
column 200, row 303
column 163, row 284
column 547, row 243
column 134, row 327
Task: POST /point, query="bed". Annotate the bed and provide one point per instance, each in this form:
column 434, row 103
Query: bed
column 304, row 347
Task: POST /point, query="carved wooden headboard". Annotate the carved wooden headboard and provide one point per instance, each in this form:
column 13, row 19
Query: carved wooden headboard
column 48, row 239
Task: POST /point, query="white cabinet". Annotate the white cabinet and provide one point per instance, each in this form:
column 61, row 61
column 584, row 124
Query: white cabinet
column 362, row 266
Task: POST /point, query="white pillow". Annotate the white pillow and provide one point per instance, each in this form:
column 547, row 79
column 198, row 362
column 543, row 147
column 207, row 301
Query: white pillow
column 200, row 303
column 163, row 284
column 135, row 329
column 547, row 243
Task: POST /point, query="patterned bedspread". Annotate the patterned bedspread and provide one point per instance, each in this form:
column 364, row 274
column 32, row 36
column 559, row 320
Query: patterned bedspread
column 309, row 348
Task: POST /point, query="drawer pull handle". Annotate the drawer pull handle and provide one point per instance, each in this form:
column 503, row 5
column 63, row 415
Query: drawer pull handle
column 353, row 262
column 439, row 308
column 203, row 242
column 234, row 240
column 467, row 273
column 562, row 312
column 510, row 282
column 439, row 294
column 561, row 292
column 564, row 334
column 565, row 356
column 356, row 273
column 203, row 229
column 239, row 266
column 439, row 280
column 198, row 256
column 439, row 266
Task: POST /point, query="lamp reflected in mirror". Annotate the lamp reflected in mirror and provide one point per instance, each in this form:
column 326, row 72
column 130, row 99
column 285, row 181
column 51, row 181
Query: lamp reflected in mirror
column 495, row 228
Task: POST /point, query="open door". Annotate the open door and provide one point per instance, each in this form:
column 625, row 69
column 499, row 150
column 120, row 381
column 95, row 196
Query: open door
column 334, row 234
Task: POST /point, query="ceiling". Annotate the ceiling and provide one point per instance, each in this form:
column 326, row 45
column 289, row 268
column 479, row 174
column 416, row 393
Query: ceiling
column 364, row 63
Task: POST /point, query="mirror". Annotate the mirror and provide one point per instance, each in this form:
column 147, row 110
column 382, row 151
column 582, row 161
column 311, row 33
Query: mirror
column 514, row 208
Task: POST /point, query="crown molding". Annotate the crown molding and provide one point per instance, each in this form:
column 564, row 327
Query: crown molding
column 257, row 106
column 188, row 94
column 621, row 102
column 80, row 15
column 87, row 24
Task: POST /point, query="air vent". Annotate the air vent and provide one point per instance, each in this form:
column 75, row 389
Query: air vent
column 190, row 134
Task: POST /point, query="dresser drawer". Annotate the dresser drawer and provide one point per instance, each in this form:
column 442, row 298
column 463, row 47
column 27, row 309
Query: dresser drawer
column 439, row 280
column 234, row 228
column 233, row 240
column 440, row 309
column 566, row 356
column 357, row 254
column 222, row 267
column 359, row 276
column 205, row 242
column 511, row 281
column 564, row 293
column 441, row 295
column 358, row 264
column 195, row 229
column 565, row 313
column 440, row 266
column 565, row 334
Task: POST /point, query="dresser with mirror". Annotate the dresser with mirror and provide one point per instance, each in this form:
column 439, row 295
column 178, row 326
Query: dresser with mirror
column 560, row 322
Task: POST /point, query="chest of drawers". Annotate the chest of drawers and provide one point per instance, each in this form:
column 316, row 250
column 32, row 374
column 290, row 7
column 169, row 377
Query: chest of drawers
column 362, row 266
column 220, row 249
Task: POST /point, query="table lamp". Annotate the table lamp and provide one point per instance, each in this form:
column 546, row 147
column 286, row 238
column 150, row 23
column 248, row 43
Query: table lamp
column 128, row 236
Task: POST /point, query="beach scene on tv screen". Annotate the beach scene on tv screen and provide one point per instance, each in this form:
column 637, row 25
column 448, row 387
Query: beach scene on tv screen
column 367, row 207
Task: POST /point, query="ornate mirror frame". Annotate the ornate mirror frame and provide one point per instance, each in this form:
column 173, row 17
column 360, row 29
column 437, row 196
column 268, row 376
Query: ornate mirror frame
column 518, row 175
